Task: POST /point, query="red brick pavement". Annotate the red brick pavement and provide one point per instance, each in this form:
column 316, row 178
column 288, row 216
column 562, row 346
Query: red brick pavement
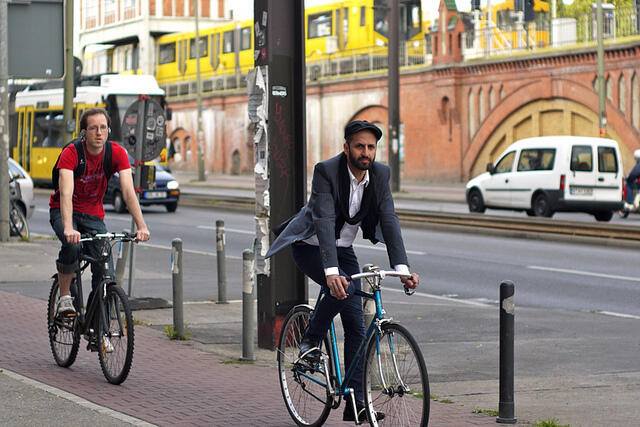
column 170, row 383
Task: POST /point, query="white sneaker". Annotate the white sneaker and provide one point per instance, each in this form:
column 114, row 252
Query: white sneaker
column 65, row 306
column 628, row 206
column 106, row 345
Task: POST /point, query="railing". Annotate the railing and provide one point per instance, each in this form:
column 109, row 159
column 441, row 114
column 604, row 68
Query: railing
column 486, row 40
column 483, row 41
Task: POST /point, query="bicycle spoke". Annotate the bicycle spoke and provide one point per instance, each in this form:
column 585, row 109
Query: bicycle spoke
column 307, row 400
column 396, row 380
column 115, row 338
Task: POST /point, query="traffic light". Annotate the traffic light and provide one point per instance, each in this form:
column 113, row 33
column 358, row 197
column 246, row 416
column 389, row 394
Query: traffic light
column 475, row 4
column 528, row 10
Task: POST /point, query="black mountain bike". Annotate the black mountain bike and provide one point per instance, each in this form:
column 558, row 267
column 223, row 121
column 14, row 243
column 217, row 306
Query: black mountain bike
column 107, row 323
column 18, row 225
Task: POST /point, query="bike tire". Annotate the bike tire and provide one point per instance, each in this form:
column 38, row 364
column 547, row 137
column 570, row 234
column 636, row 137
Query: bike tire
column 394, row 358
column 19, row 224
column 308, row 403
column 64, row 337
column 116, row 326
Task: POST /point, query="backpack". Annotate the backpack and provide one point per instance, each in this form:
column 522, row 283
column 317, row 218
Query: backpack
column 82, row 162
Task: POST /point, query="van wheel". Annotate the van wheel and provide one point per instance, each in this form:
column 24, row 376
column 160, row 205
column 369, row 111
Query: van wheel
column 118, row 202
column 541, row 206
column 603, row 216
column 476, row 204
column 530, row 212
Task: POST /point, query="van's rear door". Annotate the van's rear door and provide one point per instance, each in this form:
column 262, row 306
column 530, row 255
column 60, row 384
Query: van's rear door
column 581, row 179
column 608, row 174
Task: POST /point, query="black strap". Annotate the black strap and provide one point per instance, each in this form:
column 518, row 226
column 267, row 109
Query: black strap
column 80, row 168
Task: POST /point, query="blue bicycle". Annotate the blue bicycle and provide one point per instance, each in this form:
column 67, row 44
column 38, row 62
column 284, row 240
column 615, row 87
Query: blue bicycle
column 395, row 377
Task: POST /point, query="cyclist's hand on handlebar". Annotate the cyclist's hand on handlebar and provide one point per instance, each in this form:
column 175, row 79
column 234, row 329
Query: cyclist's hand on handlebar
column 411, row 282
column 72, row 236
column 337, row 285
column 142, row 235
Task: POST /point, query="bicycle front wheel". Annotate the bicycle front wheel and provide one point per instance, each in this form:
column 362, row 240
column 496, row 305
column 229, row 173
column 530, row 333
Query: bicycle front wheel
column 115, row 335
column 64, row 339
column 307, row 398
column 395, row 378
column 19, row 225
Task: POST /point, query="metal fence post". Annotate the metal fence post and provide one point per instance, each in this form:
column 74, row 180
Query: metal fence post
column 222, row 271
column 248, row 306
column 121, row 262
column 507, row 309
column 176, row 270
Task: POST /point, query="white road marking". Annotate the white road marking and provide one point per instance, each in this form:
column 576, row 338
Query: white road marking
column 584, row 273
column 438, row 297
column 355, row 245
column 232, row 230
column 190, row 251
column 614, row 314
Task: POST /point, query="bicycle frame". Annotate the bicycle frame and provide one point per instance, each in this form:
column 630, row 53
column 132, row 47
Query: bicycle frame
column 95, row 307
column 373, row 329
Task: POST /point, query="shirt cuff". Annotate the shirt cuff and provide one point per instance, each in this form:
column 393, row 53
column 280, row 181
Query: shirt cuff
column 331, row 270
column 402, row 269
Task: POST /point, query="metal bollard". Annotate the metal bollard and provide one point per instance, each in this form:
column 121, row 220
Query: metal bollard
column 507, row 308
column 176, row 270
column 222, row 271
column 248, row 306
column 121, row 262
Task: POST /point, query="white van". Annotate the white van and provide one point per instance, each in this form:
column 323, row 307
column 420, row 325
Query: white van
column 547, row 174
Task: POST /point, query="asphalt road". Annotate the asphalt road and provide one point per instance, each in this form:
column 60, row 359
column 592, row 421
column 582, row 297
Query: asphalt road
column 463, row 265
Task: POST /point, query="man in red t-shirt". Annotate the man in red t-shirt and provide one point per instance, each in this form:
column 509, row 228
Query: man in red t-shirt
column 76, row 207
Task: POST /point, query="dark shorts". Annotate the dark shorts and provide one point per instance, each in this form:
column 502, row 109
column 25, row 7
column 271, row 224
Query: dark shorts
column 69, row 253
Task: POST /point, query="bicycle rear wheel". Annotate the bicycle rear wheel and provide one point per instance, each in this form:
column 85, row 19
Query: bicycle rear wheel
column 64, row 339
column 19, row 225
column 395, row 379
column 115, row 335
column 308, row 402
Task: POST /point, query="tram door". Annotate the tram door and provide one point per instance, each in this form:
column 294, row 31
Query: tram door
column 24, row 142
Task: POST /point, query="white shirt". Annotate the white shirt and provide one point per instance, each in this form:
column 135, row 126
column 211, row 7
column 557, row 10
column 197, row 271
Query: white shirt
column 349, row 231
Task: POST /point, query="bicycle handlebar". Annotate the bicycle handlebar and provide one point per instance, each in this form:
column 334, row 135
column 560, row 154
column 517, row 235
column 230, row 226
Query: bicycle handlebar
column 382, row 274
column 127, row 237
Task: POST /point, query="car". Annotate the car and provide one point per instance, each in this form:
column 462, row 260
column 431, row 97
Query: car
column 543, row 175
column 22, row 178
column 165, row 192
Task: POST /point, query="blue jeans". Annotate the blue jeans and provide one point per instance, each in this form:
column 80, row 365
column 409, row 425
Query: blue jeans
column 307, row 258
column 68, row 256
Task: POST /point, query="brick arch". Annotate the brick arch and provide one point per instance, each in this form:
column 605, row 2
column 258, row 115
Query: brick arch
column 183, row 137
column 377, row 114
column 546, row 108
column 372, row 113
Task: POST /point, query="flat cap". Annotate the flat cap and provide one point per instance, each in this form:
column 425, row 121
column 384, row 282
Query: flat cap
column 360, row 125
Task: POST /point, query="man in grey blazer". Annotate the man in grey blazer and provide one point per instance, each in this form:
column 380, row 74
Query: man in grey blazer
column 348, row 191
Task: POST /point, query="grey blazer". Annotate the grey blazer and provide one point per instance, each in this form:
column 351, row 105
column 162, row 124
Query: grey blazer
column 318, row 216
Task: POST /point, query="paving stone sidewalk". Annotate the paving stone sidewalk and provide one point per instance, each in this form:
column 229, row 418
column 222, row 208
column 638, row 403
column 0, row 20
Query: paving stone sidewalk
column 171, row 382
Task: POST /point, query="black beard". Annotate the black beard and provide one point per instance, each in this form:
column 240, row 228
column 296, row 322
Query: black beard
column 357, row 164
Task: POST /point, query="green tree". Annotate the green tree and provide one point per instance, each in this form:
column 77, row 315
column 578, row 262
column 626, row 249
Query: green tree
column 581, row 7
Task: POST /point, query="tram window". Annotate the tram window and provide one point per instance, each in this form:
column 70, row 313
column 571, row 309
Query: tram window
column 245, row 38
column 47, row 129
column 203, row 47
column 227, row 42
column 167, row 53
column 319, row 25
column 363, row 17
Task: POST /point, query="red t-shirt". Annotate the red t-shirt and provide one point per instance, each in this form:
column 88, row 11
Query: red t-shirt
column 89, row 189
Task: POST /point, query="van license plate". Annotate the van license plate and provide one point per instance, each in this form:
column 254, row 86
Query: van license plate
column 581, row 191
column 155, row 195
